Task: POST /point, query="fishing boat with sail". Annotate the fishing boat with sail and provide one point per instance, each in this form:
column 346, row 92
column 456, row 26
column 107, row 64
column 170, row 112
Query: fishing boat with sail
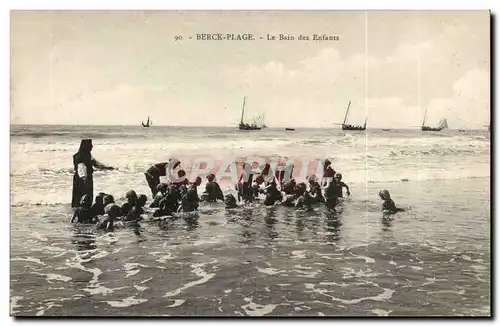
column 352, row 127
column 263, row 122
column 148, row 123
column 247, row 126
column 442, row 124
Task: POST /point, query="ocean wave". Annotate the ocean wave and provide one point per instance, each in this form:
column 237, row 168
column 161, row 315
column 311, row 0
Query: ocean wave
column 437, row 152
column 62, row 195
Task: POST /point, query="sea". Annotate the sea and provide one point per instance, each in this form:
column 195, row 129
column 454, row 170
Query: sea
column 434, row 259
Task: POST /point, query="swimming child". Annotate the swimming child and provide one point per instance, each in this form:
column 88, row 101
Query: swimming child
column 131, row 198
column 213, row 192
column 84, row 213
column 304, row 202
column 111, row 211
column 230, row 201
column 272, row 193
column 169, row 204
column 162, row 192
column 190, row 201
column 245, row 185
column 388, row 206
column 135, row 213
column 315, row 190
column 108, row 199
column 289, row 187
column 98, row 207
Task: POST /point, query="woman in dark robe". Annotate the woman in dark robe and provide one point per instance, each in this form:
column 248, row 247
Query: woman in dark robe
column 84, row 163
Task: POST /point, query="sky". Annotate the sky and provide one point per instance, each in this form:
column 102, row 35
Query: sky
column 119, row 67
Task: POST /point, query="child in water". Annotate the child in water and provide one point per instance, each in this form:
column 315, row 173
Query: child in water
column 111, row 211
column 388, row 206
column 135, row 213
column 213, row 192
column 230, row 201
column 289, row 187
column 98, row 207
column 190, row 200
column 169, row 204
column 272, row 193
column 245, row 185
column 162, row 192
column 331, row 195
column 340, row 185
column 108, row 199
column 84, row 213
column 131, row 198
column 315, row 190
column 304, row 202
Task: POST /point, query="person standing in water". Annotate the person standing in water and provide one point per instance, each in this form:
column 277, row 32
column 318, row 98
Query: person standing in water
column 158, row 170
column 84, row 163
column 328, row 173
column 340, row 186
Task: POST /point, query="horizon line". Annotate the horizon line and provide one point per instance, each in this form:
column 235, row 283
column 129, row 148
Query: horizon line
column 215, row 126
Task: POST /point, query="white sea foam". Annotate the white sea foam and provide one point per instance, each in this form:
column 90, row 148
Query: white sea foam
column 132, row 269
column 127, row 302
column 13, row 304
column 177, row 303
column 198, row 271
column 254, row 309
column 141, row 288
column 368, row 260
column 269, row 270
column 298, row 254
column 146, row 280
column 30, row 259
column 384, row 296
column 54, row 277
column 381, row 312
column 101, row 289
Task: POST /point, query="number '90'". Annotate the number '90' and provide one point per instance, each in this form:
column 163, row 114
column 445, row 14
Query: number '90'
column 177, row 38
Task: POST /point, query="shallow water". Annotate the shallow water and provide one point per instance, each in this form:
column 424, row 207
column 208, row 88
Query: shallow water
column 433, row 259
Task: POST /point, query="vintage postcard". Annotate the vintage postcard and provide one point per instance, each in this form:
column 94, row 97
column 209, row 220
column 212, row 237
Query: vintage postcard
column 250, row 163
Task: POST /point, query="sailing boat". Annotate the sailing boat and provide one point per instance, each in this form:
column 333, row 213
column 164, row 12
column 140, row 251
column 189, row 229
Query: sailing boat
column 442, row 124
column 148, row 123
column 351, row 127
column 263, row 123
column 246, row 126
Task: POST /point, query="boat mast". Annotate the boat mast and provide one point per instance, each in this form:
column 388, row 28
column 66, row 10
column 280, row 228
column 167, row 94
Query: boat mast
column 243, row 110
column 347, row 112
column 425, row 115
column 364, row 127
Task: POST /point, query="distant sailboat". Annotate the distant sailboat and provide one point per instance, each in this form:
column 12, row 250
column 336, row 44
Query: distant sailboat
column 148, row 123
column 263, row 122
column 351, row 127
column 246, row 126
column 442, row 124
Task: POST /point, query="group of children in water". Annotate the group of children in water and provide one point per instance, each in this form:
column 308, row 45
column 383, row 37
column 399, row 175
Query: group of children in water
column 104, row 212
column 182, row 195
